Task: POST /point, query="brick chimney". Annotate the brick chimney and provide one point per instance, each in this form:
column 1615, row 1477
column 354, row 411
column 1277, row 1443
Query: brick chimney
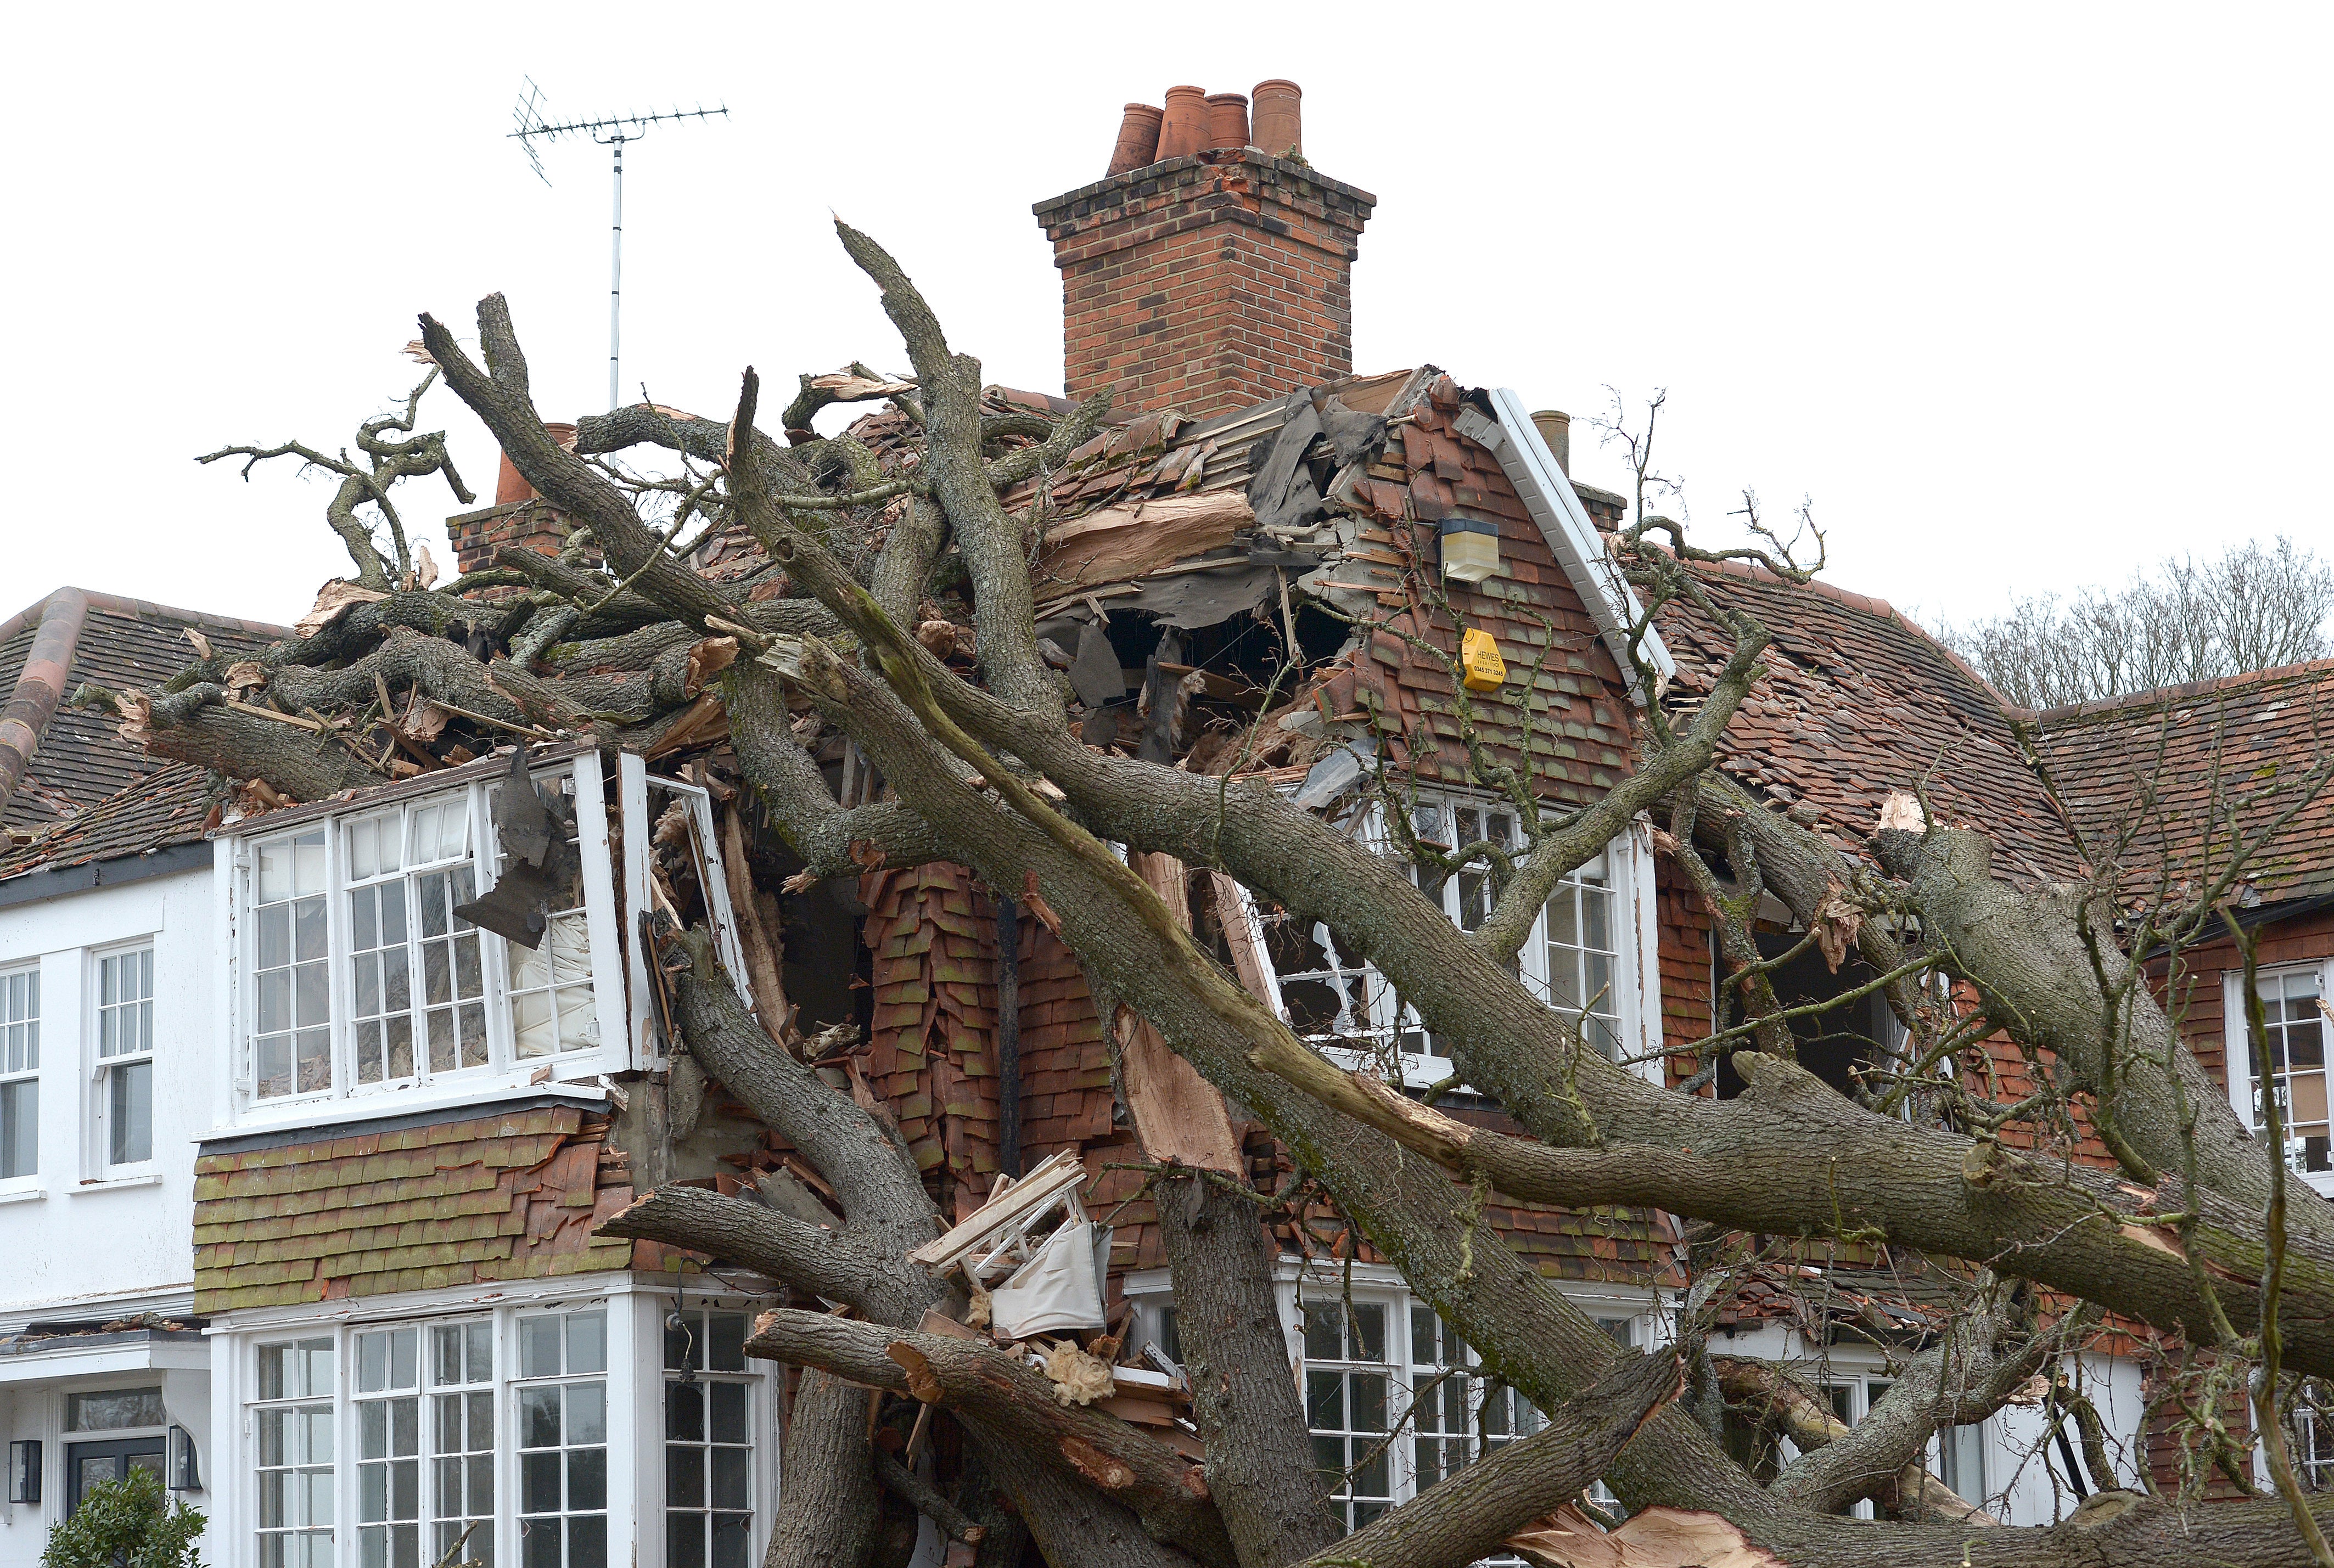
column 1210, row 280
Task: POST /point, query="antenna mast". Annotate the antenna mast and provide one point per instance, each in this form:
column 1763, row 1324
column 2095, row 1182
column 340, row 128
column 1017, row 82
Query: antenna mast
column 612, row 132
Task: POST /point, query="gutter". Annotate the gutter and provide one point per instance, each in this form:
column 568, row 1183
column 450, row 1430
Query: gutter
column 137, row 866
column 41, row 685
column 1548, row 495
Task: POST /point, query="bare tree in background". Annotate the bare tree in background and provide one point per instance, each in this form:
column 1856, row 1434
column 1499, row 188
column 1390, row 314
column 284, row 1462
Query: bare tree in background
column 2255, row 608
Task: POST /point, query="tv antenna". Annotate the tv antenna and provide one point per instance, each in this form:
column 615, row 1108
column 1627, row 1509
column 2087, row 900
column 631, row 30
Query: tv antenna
column 610, row 132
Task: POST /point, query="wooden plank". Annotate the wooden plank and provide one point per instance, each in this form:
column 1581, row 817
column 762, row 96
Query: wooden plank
column 1056, row 1172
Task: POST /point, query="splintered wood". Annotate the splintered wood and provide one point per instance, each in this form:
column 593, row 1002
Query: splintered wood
column 1656, row 1538
column 1179, row 1115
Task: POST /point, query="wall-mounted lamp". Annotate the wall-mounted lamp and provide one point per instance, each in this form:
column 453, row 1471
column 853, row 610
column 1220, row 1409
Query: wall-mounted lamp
column 1471, row 548
column 184, row 1475
column 24, row 1471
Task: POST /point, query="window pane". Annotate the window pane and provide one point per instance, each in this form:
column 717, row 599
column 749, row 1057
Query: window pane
column 684, row 1413
column 730, row 1483
column 684, row 1477
column 725, row 1341
column 20, row 1127
column 587, row 1342
column 539, row 1417
column 114, row 1410
column 538, row 1347
column 587, row 1413
column 728, row 1413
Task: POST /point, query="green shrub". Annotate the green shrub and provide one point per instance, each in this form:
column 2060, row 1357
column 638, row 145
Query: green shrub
column 127, row 1523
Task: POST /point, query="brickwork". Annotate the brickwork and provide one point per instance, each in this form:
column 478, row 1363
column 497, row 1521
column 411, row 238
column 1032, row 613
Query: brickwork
column 1206, row 283
column 534, row 523
column 2171, row 1442
column 514, row 1196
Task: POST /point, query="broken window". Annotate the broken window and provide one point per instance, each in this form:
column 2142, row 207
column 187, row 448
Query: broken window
column 1854, row 1045
column 709, row 1440
column 371, row 960
column 1580, row 958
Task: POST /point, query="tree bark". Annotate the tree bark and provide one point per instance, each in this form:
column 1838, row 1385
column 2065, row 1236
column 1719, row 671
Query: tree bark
column 1244, row 1393
column 997, row 1393
column 1470, row 1515
column 833, row 1517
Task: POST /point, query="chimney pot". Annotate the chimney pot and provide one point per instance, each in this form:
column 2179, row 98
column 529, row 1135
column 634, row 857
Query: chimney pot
column 1138, row 139
column 1183, row 130
column 1277, row 124
column 510, row 485
column 1206, row 283
column 1227, row 122
column 1556, row 430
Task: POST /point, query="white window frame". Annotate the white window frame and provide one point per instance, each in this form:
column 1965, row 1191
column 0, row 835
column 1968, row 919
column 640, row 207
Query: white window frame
column 98, row 1111
column 692, row 1319
column 24, row 1049
column 504, row 1068
column 1627, row 870
column 2237, row 1053
column 635, row 1312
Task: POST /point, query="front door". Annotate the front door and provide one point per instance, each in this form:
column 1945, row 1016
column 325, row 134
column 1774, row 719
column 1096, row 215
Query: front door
column 87, row 1464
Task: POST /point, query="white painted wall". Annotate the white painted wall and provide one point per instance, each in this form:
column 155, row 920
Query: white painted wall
column 72, row 1241
column 2011, row 1463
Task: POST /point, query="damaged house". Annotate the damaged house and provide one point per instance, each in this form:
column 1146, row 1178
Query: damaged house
column 325, row 1091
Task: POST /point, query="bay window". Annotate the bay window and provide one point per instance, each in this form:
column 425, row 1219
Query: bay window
column 528, row 1435
column 1396, row 1400
column 360, row 973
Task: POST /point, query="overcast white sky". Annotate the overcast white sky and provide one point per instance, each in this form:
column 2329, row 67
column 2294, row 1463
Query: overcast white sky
column 2023, row 295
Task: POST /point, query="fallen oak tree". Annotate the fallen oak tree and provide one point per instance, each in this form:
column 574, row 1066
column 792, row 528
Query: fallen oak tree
column 966, row 759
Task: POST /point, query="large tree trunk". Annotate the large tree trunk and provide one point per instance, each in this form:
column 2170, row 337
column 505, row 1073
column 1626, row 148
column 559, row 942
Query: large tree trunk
column 833, row 1515
column 1244, row 1392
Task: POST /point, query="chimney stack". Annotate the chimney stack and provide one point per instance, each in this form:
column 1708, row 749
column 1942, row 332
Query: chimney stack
column 1216, row 275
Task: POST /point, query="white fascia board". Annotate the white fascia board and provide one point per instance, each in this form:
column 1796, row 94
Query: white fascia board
column 67, row 1360
column 1548, row 496
column 403, row 1306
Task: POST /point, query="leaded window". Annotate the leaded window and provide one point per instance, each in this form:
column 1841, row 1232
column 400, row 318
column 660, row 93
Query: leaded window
column 562, row 1440
column 709, row 1440
column 293, row 1467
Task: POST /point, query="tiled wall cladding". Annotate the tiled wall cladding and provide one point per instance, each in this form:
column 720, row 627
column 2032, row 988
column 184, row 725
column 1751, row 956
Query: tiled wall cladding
column 514, row 1196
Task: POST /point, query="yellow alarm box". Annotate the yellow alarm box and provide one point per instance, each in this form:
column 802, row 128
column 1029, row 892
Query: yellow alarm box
column 1480, row 667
